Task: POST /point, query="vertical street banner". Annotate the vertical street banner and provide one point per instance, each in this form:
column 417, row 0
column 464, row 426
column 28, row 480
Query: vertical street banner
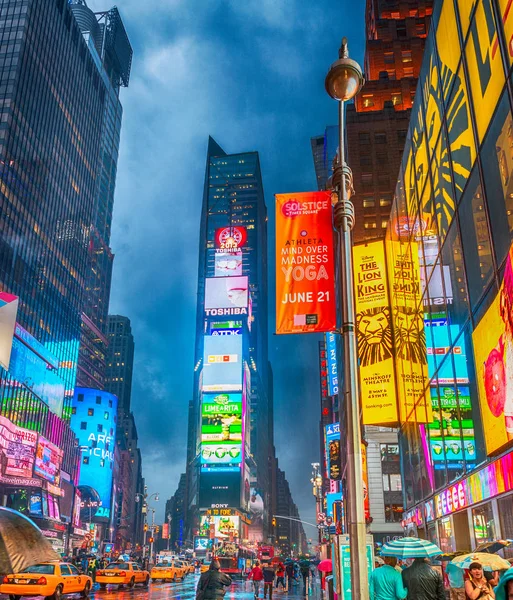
column 411, row 365
column 374, row 334
column 366, row 499
column 305, row 265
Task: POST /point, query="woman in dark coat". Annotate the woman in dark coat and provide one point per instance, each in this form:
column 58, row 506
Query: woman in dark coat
column 212, row 584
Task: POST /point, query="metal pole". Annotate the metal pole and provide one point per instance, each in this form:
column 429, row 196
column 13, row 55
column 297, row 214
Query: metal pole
column 152, row 534
column 145, row 532
column 168, row 530
column 349, row 396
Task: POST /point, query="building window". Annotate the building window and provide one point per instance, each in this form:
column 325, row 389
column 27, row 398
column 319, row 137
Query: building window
column 385, row 200
column 368, row 100
column 365, row 161
column 389, row 452
column 393, row 513
column 99, row 428
column 80, row 398
column 384, row 223
column 364, row 137
column 74, row 410
column 406, row 56
column 380, row 138
column 397, row 98
column 83, row 425
column 98, row 399
column 370, row 225
column 401, row 136
column 110, row 403
column 392, row 482
column 102, row 462
column 389, row 58
column 368, row 202
column 391, row 74
column 106, row 415
column 408, row 71
column 85, row 460
column 90, row 412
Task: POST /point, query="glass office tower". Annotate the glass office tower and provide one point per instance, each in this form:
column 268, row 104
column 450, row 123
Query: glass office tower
column 233, row 209
column 453, row 216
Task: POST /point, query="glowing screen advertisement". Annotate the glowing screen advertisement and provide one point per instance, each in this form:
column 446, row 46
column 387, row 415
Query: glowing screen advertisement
column 98, row 411
column 334, row 462
column 305, row 267
column 221, row 417
column 8, row 312
column 48, row 461
column 226, row 296
column 332, row 355
column 19, row 448
column 228, row 264
column 222, row 363
column 493, row 349
column 220, row 527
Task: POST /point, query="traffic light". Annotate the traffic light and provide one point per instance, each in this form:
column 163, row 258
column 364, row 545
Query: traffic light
column 274, row 522
column 151, row 540
column 146, row 527
column 157, row 528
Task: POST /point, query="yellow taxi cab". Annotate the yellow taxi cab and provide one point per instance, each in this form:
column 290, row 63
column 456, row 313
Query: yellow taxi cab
column 52, row 580
column 122, row 573
column 165, row 571
column 204, row 566
column 181, row 570
column 186, row 566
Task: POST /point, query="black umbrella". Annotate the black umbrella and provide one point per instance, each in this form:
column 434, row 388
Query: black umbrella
column 21, row 543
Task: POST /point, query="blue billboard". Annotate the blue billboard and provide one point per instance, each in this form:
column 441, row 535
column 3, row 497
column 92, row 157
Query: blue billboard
column 438, row 343
column 94, row 423
column 222, row 363
column 332, row 355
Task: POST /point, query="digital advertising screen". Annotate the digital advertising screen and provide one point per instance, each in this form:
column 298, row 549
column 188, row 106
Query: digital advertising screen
column 332, row 355
column 226, row 455
column 230, row 327
column 438, row 344
column 221, row 417
column 224, row 527
column 334, row 461
column 222, row 363
column 220, row 489
column 19, row 447
column 201, row 543
column 227, row 264
column 8, row 311
column 226, row 292
column 230, row 238
column 48, row 460
column 98, row 410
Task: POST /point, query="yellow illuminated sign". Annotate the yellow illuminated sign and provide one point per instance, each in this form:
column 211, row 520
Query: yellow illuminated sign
column 374, row 332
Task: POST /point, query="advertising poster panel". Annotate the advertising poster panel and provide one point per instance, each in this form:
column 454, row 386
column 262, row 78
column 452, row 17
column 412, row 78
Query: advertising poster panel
column 256, row 512
column 219, row 488
column 221, row 455
column 230, row 239
column 410, row 350
column 374, row 333
column 333, row 451
column 222, row 363
column 221, row 417
column 331, row 340
column 8, row 312
column 224, row 528
column 19, row 447
column 228, row 264
column 366, row 500
column 227, row 293
column 493, row 349
column 305, row 268
column 97, row 443
column 48, row 461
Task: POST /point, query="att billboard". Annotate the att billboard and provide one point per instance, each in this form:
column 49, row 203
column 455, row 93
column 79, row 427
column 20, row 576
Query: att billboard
column 94, row 421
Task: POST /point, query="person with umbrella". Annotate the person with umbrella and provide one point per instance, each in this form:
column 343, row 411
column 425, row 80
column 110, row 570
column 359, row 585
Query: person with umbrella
column 476, row 586
column 289, row 569
column 504, row 591
column 386, row 583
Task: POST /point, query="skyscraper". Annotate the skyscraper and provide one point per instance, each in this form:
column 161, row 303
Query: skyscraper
column 110, row 48
column 225, row 461
column 52, row 100
column 120, row 363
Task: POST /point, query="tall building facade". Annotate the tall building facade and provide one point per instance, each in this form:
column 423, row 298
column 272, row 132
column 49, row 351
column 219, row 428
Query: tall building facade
column 230, row 418
column 110, row 49
column 453, row 213
column 120, row 364
column 52, row 100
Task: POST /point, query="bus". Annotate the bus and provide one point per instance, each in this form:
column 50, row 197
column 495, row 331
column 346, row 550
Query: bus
column 235, row 560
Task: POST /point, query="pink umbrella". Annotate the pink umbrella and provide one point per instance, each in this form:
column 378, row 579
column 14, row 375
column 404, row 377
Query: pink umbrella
column 325, row 566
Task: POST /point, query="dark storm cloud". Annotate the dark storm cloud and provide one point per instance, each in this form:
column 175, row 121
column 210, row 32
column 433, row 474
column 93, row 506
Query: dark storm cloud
column 251, row 74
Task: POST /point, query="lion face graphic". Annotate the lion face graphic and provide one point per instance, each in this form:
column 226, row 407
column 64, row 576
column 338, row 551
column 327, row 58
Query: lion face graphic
column 409, row 334
column 374, row 335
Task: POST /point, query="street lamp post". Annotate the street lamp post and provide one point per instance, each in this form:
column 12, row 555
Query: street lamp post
column 168, row 530
column 343, row 81
column 145, row 507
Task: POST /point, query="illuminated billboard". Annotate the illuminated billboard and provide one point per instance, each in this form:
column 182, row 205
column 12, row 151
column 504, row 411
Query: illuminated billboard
column 305, row 266
column 438, row 344
column 332, row 432
column 19, row 448
column 220, row 488
column 200, row 543
column 221, row 455
column 228, row 264
column 221, row 417
column 222, row 363
column 8, row 312
column 220, row 527
column 227, row 293
column 94, row 423
column 331, row 340
column 230, row 239
column 493, row 349
column 226, row 328
column 48, row 461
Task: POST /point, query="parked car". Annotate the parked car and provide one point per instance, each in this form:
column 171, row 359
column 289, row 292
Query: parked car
column 51, row 580
column 122, row 573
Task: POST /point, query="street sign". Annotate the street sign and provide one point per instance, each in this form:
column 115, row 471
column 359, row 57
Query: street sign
column 345, row 563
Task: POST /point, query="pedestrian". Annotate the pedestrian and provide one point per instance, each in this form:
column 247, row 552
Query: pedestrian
column 269, row 575
column 504, row 591
column 213, row 583
column 304, row 566
column 256, row 575
column 423, row 582
column 290, row 573
column 476, row 585
column 280, row 575
column 386, row 583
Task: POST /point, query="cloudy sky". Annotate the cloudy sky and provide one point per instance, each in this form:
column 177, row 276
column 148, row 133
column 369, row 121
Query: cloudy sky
column 250, row 73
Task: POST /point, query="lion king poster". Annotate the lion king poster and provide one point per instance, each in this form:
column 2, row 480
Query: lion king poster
column 493, row 349
column 374, row 333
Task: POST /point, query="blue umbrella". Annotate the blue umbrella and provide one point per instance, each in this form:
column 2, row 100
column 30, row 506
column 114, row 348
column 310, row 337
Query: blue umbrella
column 410, row 547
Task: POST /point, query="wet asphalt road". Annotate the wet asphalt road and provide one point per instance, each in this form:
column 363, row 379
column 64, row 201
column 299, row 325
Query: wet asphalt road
column 186, row 590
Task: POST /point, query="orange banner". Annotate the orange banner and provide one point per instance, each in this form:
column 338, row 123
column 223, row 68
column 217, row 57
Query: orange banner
column 305, row 266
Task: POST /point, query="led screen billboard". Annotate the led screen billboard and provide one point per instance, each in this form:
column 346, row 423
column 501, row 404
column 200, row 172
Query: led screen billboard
column 226, row 328
column 333, row 451
column 228, row 264
column 221, row 527
column 331, row 340
column 217, row 489
column 94, row 423
column 222, row 363
column 438, row 344
column 19, row 448
column 200, row 543
column 8, row 312
column 226, row 292
column 48, row 460
column 221, row 455
column 230, row 239
column 221, row 417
